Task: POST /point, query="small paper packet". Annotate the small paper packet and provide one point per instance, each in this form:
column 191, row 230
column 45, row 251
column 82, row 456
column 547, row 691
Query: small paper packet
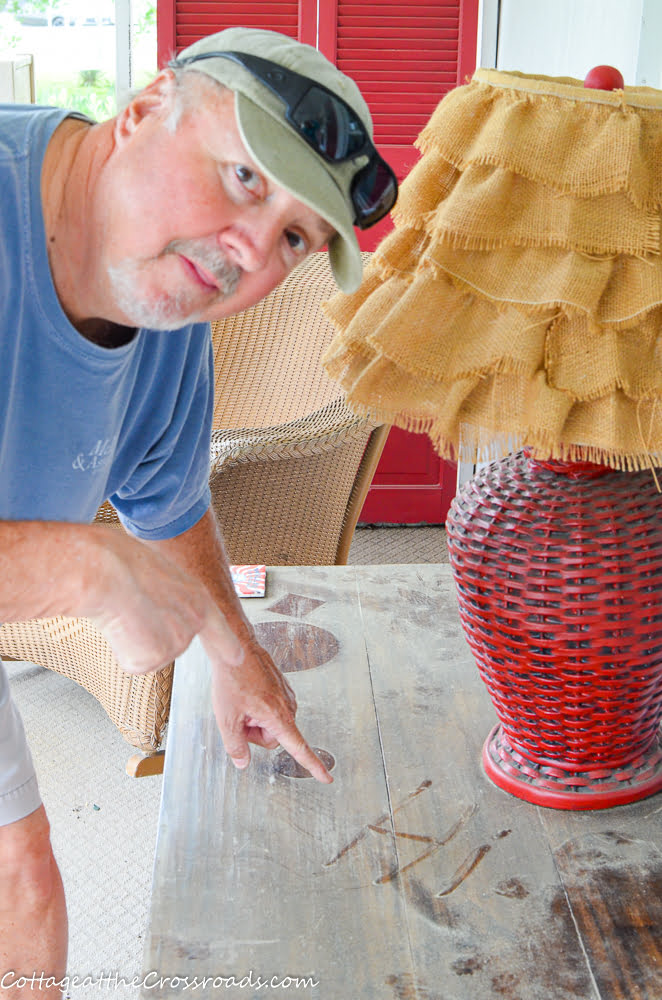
column 249, row 581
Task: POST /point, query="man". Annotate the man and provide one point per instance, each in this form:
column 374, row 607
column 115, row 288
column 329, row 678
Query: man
column 230, row 168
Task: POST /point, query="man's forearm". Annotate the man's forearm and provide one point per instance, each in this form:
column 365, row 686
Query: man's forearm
column 147, row 608
column 48, row 568
column 200, row 551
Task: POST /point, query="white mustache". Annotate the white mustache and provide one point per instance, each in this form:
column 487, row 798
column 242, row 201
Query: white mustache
column 212, row 259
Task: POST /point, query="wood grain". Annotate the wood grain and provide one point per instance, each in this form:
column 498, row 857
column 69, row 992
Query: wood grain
column 412, row 877
column 610, row 866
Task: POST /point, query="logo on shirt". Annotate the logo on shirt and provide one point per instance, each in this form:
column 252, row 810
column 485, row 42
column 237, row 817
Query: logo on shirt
column 97, row 458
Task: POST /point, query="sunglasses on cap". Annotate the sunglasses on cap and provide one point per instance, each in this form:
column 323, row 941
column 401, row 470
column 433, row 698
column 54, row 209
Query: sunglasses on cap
column 329, row 125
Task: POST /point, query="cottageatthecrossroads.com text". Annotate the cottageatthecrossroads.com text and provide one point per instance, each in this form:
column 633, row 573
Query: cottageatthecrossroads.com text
column 155, row 981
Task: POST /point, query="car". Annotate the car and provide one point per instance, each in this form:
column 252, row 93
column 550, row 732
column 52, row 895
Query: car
column 41, row 20
column 66, row 15
column 33, row 17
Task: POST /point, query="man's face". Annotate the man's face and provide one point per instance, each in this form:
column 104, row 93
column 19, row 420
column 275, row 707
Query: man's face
column 200, row 232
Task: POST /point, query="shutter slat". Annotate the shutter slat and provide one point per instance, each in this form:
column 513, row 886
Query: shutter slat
column 424, row 8
column 232, row 9
column 388, row 25
column 403, row 99
column 405, row 38
column 394, row 23
column 404, row 51
column 379, row 79
column 211, row 23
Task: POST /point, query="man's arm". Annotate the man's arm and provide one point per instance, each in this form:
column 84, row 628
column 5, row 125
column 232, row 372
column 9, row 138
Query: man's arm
column 149, row 600
column 148, row 609
column 252, row 701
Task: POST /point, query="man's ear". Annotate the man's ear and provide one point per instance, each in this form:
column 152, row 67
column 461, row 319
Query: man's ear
column 154, row 99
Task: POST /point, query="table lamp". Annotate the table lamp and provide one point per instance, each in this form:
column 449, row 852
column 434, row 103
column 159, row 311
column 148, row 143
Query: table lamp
column 513, row 315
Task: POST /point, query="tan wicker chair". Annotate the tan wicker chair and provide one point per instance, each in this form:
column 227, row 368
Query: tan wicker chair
column 291, row 466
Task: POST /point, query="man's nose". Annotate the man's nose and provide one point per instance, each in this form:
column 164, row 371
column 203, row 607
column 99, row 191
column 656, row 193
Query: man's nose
column 249, row 243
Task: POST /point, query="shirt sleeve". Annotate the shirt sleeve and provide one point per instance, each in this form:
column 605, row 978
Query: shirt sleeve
column 168, row 490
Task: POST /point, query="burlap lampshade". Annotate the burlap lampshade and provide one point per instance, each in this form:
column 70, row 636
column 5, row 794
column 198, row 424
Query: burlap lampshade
column 518, row 301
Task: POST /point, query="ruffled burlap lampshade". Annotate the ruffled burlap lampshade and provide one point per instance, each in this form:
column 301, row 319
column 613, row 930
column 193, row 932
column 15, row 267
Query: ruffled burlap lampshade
column 519, row 300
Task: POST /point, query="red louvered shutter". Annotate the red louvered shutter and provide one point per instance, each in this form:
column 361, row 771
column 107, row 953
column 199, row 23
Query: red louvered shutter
column 404, row 55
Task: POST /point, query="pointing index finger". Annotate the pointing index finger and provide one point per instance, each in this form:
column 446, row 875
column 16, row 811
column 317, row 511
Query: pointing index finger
column 292, row 741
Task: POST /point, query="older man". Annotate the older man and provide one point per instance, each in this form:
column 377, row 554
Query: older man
column 246, row 155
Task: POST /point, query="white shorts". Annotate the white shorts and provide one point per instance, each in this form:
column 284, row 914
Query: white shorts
column 19, row 794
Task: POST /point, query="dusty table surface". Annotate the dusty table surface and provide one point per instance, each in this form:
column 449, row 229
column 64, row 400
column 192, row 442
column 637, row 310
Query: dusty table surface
column 412, row 877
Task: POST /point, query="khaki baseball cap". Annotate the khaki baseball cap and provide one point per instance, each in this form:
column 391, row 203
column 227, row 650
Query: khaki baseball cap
column 277, row 148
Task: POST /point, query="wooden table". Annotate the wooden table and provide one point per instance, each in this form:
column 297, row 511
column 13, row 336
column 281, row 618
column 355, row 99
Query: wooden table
column 411, row 877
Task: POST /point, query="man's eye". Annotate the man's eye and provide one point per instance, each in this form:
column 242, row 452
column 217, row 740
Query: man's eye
column 297, row 242
column 247, row 177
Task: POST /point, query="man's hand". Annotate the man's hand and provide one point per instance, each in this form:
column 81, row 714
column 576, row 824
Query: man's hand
column 254, row 703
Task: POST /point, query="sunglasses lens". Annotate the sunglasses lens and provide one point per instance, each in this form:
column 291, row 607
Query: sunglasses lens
column 328, row 125
column 374, row 191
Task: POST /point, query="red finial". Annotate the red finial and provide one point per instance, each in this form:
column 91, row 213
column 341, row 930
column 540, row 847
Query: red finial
column 604, row 78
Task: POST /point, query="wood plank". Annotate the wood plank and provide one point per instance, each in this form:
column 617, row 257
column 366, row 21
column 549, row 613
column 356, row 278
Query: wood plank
column 610, row 864
column 487, row 912
column 255, row 872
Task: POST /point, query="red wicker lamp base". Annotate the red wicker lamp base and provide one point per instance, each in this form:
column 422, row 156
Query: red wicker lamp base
column 595, row 788
column 558, row 571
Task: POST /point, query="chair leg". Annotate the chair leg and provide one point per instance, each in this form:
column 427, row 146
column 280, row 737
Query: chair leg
column 140, row 765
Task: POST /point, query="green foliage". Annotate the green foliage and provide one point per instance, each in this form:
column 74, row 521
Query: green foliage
column 92, row 78
column 7, row 41
column 35, row 6
column 144, row 16
column 95, row 98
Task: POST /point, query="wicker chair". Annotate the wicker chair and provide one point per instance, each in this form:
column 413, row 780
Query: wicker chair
column 290, row 468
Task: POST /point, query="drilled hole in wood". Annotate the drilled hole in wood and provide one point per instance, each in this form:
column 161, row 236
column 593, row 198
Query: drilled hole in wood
column 291, row 768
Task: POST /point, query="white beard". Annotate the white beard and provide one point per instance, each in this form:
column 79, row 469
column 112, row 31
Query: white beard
column 173, row 309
